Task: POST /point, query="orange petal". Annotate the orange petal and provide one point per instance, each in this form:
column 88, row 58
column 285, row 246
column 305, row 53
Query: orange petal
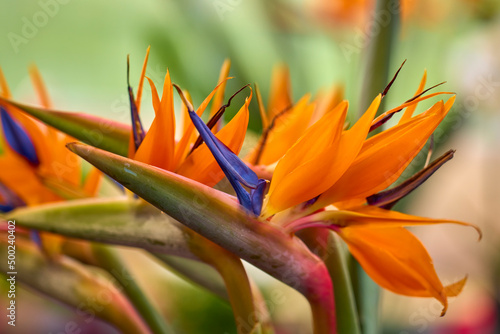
column 51, row 244
column 396, row 260
column 54, row 138
column 454, row 289
column 5, row 91
column 280, row 97
column 262, row 110
column 55, row 160
column 407, row 105
column 305, row 170
column 40, row 88
column 286, row 131
column 375, row 217
column 92, row 182
column 351, row 143
column 157, row 148
column 385, row 156
column 20, row 177
column 411, row 109
column 141, row 81
column 201, row 166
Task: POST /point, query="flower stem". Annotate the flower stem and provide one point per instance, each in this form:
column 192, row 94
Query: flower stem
column 386, row 18
column 109, row 259
column 236, row 281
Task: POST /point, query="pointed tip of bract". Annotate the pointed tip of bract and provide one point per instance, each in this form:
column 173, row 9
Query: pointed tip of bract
column 77, row 148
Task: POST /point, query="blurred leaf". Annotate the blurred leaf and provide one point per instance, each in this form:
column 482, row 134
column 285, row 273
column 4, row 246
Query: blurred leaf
column 121, row 221
column 196, row 272
column 71, row 283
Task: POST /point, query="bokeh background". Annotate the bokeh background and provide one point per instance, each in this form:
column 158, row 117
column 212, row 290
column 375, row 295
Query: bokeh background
column 81, row 47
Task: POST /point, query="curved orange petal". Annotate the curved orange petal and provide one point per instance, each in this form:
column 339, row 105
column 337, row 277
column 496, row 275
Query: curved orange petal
column 305, row 170
column 396, row 260
column 20, row 177
column 385, row 156
column 141, row 80
column 40, row 88
column 51, row 244
column 351, row 143
column 262, row 111
column 43, row 96
column 407, row 105
column 381, row 217
column 4, row 88
column 375, row 217
column 411, row 109
column 201, row 166
column 92, row 182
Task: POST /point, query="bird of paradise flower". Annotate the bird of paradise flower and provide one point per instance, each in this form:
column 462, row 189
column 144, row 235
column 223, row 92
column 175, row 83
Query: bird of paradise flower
column 325, row 178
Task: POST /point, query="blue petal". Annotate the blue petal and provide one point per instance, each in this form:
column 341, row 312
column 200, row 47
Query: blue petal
column 225, row 157
column 241, row 193
column 6, row 208
column 236, row 171
column 18, row 139
column 10, row 199
column 35, row 236
column 257, row 196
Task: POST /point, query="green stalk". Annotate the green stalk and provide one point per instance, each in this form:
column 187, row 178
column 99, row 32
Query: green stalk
column 231, row 269
column 109, row 259
column 367, row 297
column 195, row 272
column 385, row 30
column 207, row 277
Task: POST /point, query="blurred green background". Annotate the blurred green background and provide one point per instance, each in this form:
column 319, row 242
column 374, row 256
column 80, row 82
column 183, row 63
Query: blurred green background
column 80, row 48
